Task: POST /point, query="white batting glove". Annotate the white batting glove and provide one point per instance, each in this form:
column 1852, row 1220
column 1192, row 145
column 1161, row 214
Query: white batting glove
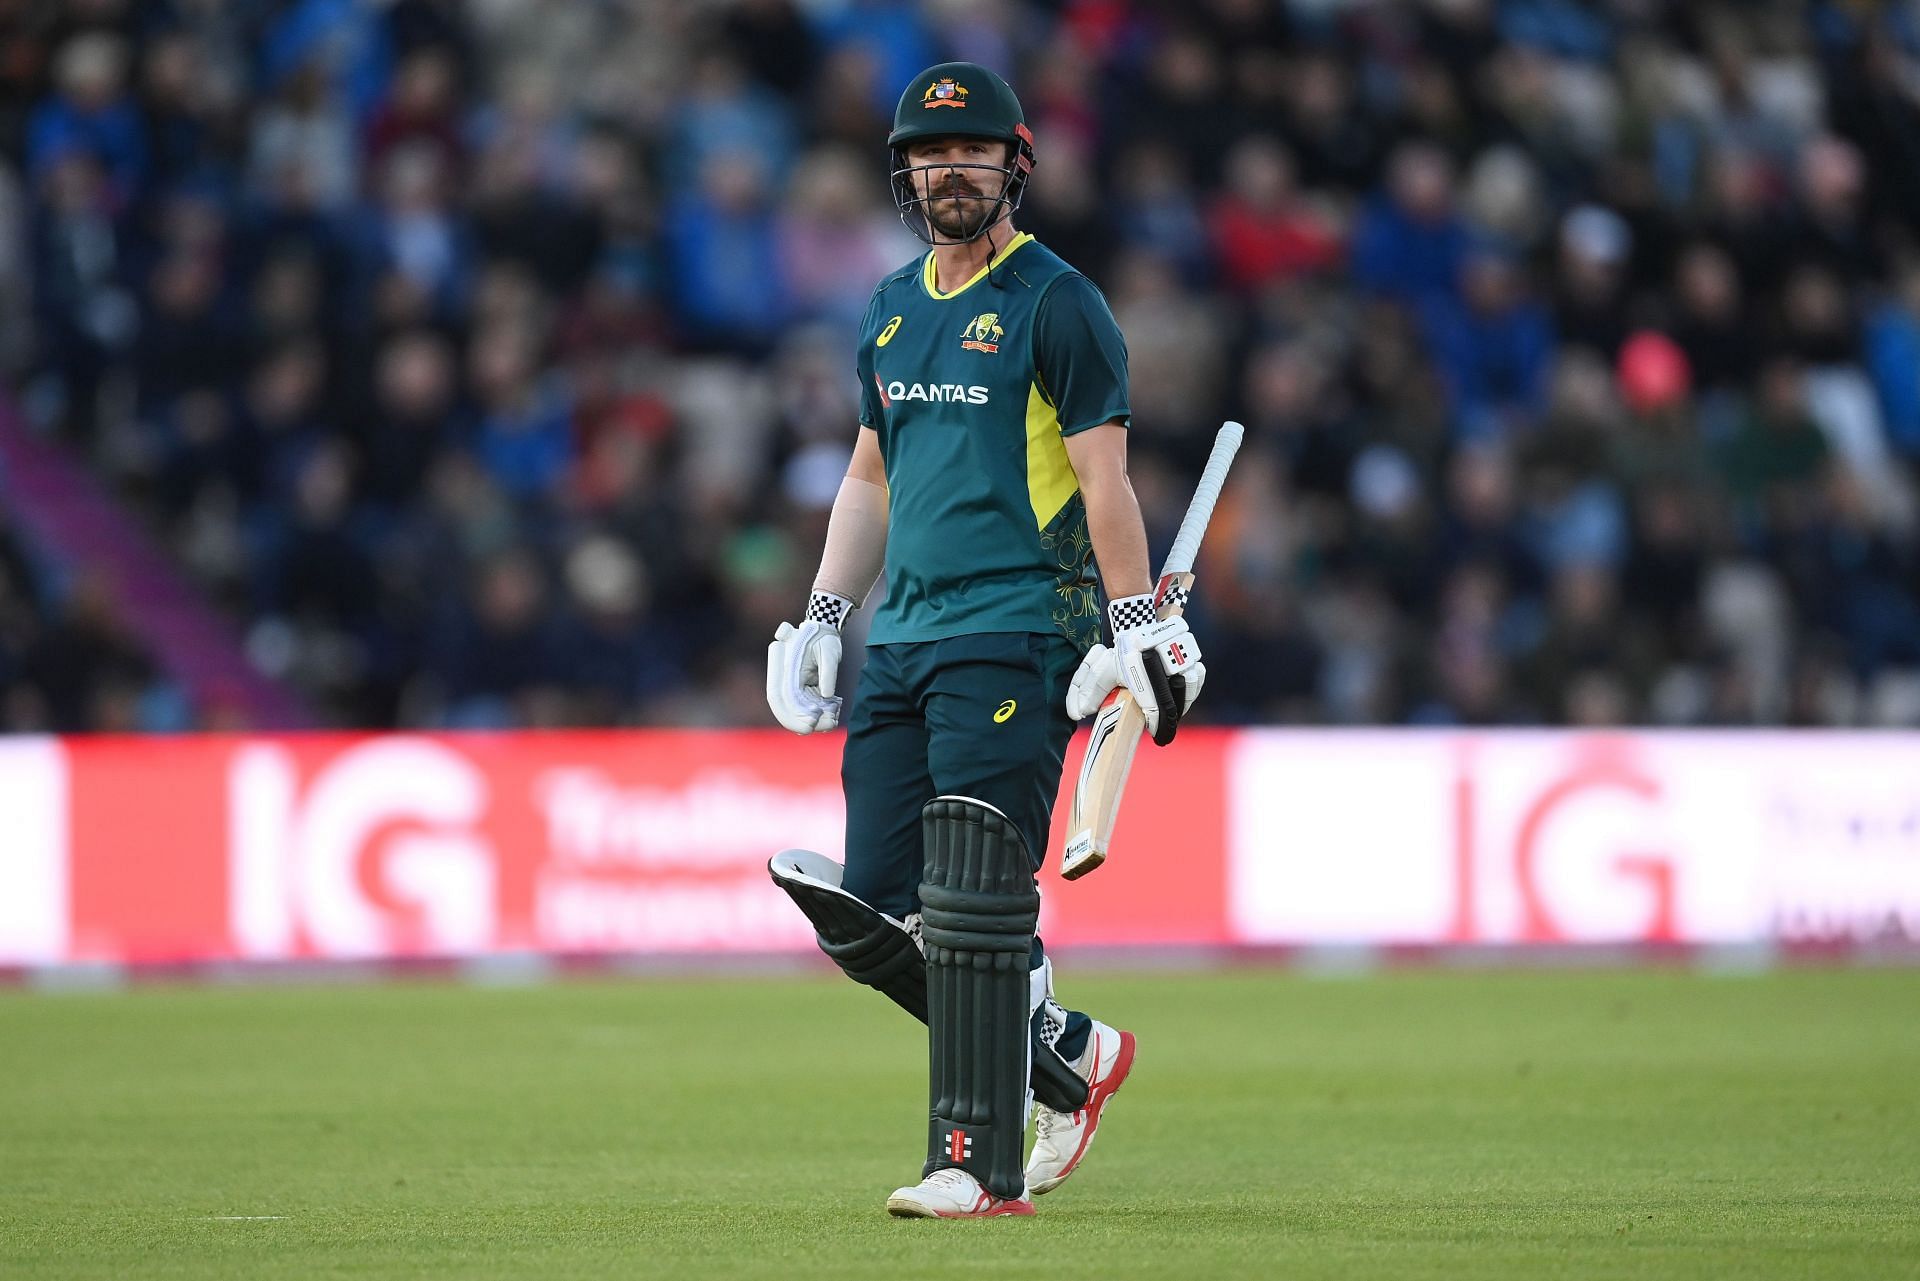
column 1099, row 675
column 803, row 666
column 1154, row 660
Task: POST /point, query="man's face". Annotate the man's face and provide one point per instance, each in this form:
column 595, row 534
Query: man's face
column 958, row 179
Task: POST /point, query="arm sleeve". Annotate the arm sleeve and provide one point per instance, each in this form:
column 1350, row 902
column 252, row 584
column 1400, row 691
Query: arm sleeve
column 870, row 404
column 1080, row 356
column 856, row 547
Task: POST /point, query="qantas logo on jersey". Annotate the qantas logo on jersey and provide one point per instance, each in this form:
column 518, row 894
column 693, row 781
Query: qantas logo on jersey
column 942, row 393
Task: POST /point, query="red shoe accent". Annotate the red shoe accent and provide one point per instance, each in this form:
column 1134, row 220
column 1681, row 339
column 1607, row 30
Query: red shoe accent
column 1097, row 1097
column 990, row 1206
column 985, row 1206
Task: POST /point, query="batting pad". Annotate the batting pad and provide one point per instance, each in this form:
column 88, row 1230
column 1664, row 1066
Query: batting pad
column 880, row 952
column 978, row 910
column 870, row 946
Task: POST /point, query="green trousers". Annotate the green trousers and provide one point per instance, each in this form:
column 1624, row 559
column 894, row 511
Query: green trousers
column 977, row 716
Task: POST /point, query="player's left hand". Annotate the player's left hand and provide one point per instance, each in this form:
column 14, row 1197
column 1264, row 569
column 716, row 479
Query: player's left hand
column 1097, row 676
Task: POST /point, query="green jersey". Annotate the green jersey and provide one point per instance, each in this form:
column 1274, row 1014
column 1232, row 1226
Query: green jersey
column 973, row 394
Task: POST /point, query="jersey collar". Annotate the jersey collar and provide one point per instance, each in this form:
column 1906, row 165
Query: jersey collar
column 933, row 291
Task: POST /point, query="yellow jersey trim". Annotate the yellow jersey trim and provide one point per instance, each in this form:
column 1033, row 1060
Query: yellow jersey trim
column 933, row 290
column 1051, row 481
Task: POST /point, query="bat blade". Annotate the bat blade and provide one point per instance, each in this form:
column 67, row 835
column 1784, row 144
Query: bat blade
column 1117, row 729
column 1118, row 725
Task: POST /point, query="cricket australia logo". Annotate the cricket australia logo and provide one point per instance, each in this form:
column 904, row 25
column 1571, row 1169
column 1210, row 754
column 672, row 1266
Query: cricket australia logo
column 944, row 92
column 959, row 1145
column 983, row 333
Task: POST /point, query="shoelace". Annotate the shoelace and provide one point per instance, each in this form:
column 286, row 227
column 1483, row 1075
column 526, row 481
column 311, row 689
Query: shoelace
column 1048, row 1120
column 951, row 1176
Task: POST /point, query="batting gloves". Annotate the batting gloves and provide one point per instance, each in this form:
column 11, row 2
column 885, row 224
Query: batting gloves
column 1157, row 661
column 803, row 666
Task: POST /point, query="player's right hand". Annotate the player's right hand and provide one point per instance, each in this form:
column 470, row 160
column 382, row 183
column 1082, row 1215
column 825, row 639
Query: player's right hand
column 803, row 666
column 1155, row 661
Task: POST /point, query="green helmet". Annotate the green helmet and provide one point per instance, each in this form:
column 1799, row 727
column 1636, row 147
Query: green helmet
column 966, row 100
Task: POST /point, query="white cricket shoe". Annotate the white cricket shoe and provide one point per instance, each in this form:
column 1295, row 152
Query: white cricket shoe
column 1061, row 1139
column 952, row 1193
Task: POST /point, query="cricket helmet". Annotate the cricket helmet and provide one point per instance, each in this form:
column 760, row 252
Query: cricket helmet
column 959, row 99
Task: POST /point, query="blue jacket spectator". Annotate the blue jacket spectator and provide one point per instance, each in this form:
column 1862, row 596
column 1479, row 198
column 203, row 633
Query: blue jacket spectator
column 1492, row 347
column 1892, row 356
column 92, row 114
column 720, row 243
column 1410, row 243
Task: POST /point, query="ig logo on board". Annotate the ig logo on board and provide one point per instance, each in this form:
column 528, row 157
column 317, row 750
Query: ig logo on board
column 379, row 856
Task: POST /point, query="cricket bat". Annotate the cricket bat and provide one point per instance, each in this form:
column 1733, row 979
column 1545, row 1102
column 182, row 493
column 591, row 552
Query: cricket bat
column 1119, row 723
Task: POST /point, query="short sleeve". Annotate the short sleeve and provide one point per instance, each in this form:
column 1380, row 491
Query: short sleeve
column 870, row 403
column 1080, row 356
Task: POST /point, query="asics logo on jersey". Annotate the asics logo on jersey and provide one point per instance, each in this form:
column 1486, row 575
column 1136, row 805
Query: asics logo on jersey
column 942, row 393
column 886, row 335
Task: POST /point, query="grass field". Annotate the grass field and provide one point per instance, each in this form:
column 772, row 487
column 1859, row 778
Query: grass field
column 1461, row 1125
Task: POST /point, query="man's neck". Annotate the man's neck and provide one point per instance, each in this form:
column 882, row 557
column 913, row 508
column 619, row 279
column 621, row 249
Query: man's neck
column 955, row 265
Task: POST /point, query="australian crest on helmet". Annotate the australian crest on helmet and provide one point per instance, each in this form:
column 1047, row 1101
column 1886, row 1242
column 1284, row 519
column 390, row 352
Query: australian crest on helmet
column 944, row 92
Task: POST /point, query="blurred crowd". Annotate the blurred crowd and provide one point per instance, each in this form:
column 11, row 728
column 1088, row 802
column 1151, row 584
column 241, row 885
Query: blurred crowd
column 67, row 658
column 491, row 360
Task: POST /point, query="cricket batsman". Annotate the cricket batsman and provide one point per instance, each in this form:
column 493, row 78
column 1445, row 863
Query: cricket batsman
column 989, row 477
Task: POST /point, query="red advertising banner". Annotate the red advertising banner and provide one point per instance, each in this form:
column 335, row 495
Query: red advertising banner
column 369, row 846
column 198, row 849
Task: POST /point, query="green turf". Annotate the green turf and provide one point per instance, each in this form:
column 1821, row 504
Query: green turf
column 1506, row 1125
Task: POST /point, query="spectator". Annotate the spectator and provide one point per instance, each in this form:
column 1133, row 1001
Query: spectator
column 86, row 315
column 302, row 151
column 415, row 230
column 1493, row 346
column 1892, row 351
column 317, row 569
column 1261, row 232
column 620, row 655
column 1586, row 638
column 1590, row 307
column 422, row 111
column 84, row 664
column 91, row 113
column 1773, row 463
column 1714, row 329
column 524, row 432
column 1410, row 245
column 727, row 285
column 177, row 107
column 832, row 243
column 1337, row 146
column 413, row 421
column 496, row 657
